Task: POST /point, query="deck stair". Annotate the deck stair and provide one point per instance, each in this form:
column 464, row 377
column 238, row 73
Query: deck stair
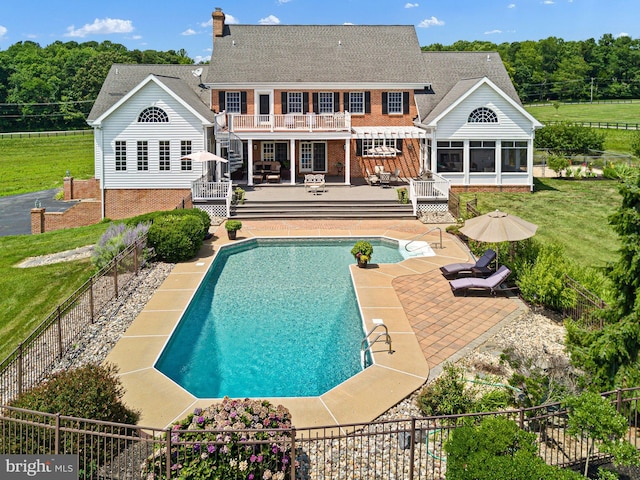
column 315, row 209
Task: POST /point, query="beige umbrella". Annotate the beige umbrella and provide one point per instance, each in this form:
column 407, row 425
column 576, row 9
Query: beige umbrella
column 205, row 157
column 496, row 227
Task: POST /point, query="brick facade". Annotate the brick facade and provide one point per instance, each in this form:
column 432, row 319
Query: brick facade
column 81, row 189
column 85, row 213
column 121, row 204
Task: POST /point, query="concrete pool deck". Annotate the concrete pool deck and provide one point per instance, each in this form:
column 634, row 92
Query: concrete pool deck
column 426, row 323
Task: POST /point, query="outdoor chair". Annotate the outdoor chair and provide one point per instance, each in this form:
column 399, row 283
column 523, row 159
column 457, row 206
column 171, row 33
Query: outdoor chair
column 385, row 179
column 372, row 179
column 395, row 176
column 314, row 182
column 479, row 269
column 492, row 284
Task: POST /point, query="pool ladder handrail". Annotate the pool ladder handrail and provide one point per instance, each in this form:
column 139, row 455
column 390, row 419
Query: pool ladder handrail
column 436, row 245
column 382, row 336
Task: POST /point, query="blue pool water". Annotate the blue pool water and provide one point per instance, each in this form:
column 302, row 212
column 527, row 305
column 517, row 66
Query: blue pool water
column 273, row 318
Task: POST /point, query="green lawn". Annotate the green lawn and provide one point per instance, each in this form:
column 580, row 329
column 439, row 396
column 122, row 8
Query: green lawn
column 573, row 213
column 40, row 163
column 588, row 112
column 30, row 294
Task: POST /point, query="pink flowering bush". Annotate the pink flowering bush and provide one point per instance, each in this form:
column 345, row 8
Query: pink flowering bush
column 248, row 439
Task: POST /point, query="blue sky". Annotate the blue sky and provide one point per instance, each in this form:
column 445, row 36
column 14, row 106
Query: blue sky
column 176, row 25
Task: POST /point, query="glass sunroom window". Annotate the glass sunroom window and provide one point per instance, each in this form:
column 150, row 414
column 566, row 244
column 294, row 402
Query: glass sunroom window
column 450, row 156
column 514, row 156
column 482, row 156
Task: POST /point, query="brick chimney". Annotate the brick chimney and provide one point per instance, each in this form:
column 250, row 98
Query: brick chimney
column 218, row 22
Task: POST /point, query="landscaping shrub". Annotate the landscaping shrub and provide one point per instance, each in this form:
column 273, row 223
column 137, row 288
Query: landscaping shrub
column 150, row 217
column 558, row 164
column 117, row 239
column 541, row 282
column 497, row 449
column 204, row 447
column 175, row 238
column 92, row 392
column 447, row 394
column 569, row 139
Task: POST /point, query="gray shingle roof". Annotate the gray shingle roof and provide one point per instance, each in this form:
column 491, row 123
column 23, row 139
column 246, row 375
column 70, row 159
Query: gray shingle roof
column 451, row 75
column 316, row 53
column 122, row 78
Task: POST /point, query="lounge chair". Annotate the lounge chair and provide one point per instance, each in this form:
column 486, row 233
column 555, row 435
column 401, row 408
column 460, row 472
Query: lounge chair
column 316, row 181
column 480, row 268
column 371, row 178
column 491, row 284
column 395, row 176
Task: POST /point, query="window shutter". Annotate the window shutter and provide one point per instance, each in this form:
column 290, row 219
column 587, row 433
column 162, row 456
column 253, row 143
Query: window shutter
column 336, row 101
column 243, row 103
column 305, row 102
column 405, row 102
column 367, row 102
column 315, row 102
column 347, row 107
column 399, row 144
column 221, row 100
column 359, row 147
column 283, row 97
column 385, row 100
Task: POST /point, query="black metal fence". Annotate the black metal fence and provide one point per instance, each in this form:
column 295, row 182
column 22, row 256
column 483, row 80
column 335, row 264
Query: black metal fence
column 411, row 448
column 32, row 360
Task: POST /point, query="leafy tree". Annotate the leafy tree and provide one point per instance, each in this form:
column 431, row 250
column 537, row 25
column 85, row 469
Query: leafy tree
column 569, row 139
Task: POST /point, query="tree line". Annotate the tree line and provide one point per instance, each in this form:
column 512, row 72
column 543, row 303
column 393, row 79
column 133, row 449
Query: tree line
column 553, row 69
column 54, row 87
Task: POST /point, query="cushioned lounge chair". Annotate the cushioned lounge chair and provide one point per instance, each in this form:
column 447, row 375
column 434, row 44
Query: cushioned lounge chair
column 491, row 284
column 480, row 268
column 372, row 179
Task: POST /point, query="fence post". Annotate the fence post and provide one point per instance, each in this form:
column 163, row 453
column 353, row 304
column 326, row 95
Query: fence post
column 168, row 453
column 57, row 435
column 135, row 258
column 59, row 322
column 412, row 452
column 91, row 306
column 293, row 454
column 521, row 418
column 115, row 277
column 20, row 359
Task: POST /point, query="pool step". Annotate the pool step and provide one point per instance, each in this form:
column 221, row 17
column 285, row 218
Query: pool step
column 323, row 209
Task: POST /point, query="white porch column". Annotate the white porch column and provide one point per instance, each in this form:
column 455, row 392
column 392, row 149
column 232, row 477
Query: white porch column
column 292, row 163
column 347, row 161
column 530, row 161
column 250, row 163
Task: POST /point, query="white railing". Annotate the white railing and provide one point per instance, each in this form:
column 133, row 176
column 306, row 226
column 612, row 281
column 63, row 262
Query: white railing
column 290, row 122
column 204, row 190
column 437, row 188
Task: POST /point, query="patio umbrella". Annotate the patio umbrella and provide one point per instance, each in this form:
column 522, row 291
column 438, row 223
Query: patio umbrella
column 205, row 157
column 496, row 227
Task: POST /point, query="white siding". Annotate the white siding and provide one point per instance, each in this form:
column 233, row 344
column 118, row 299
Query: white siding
column 512, row 124
column 123, row 125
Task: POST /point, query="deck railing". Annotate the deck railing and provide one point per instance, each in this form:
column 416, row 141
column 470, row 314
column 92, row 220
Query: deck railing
column 310, row 122
column 411, row 448
column 423, row 191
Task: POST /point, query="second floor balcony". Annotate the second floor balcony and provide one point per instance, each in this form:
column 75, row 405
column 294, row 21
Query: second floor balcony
column 310, row 122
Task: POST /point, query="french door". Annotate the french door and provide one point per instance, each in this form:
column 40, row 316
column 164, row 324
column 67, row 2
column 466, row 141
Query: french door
column 313, row 157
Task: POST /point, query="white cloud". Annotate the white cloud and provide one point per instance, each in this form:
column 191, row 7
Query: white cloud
column 188, row 32
column 282, row 2
column 549, row 2
column 492, row 32
column 230, row 19
column 136, row 37
column 511, row 5
column 3, row 31
column 270, row 20
column 411, row 5
column 200, row 58
column 431, row 22
column 101, row 26
column 621, row 34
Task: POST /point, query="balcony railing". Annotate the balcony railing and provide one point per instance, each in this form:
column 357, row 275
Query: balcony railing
column 424, row 191
column 340, row 121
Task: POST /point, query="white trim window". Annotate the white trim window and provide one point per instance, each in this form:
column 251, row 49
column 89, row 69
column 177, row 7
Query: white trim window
column 394, row 103
column 306, row 156
column 483, row 115
column 268, row 151
column 153, row 115
column 482, row 156
column 143, row 156
column 233, row 103
column 450, row 154
column 185, row 149
column 121, row 155
column 356, row 103
column 325, row 102
column 514, row 156
column 379, row 147
column 164, row 155
column 294, row 102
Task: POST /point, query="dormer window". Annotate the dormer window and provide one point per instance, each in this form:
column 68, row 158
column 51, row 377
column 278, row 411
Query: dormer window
column 153, row 115
column 483, row 115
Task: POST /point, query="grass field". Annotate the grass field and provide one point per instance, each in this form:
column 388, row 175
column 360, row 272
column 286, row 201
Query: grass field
column 40, row 163
column 588, row 112
column 573, row 213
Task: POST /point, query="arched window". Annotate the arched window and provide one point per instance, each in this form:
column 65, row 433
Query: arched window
column 483, row 115
column 153, row 115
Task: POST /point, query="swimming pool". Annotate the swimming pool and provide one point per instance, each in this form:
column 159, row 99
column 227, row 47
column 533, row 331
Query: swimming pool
column 272, row 318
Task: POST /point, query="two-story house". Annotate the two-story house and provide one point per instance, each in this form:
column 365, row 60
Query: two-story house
column 331, row 99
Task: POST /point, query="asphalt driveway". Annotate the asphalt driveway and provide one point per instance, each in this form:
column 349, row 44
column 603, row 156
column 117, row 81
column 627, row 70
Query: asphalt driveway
column 15, row 210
